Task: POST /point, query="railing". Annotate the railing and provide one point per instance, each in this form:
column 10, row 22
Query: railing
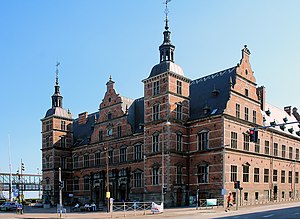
column 206, row 203
column 130, row 207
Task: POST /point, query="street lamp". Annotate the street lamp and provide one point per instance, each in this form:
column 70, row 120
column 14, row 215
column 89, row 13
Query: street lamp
column 107, row 181
column 163, row 162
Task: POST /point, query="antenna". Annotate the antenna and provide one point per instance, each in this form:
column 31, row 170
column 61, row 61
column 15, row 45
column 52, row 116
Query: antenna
column 167, row 12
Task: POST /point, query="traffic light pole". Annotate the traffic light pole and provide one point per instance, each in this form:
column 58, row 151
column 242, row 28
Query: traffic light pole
column 60, row 192
column 237, row 198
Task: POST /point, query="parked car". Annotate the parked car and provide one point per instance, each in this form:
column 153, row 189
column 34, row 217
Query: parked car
column 8, row 206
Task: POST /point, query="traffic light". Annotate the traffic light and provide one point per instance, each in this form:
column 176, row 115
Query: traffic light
column 237, row 185
column 164, row 190
column 253, row 133
column 22, row 167
column 61, row 184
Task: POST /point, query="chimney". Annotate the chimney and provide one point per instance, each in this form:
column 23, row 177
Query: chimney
column 82, row 118
column 261, row 93
column 288, row 110
column 296, row 114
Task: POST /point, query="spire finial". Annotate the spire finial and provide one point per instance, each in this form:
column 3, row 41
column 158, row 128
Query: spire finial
column 57, row 64
column 167, row 12
column 110, row 78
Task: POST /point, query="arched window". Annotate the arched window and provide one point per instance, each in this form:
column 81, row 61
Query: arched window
column 155, row 176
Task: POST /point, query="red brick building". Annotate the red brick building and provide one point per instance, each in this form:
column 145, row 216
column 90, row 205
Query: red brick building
column 181, row 135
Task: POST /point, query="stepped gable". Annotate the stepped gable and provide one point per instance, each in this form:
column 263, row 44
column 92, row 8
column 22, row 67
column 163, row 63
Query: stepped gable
column 211, row 92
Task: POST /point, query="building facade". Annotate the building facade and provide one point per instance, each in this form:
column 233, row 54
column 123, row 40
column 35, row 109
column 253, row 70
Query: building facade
column 181, row 138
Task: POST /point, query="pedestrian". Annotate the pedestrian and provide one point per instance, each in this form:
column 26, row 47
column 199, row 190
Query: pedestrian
column 229, row 200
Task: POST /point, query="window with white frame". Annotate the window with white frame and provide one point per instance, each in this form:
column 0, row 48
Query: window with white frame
column 266, row 175
column 179, row 87
column 138, row 152
column 123, row 154
column 155, row 112
column 246, row 113
column 155, row 176
column 86, row 160
column 233, row 140
column 97, row 158
column 256, row 174
column 179, row 111
column 275, row 175
column 155, row 87
column 283, row 151
column 237, row 110
column 246, row 142
column 179, row 142
column 290, row 152
column 233, row 173
column 155, row 142
column 254, row 116
column 275, row 150
column 257, row 146
column 63, row 162
column 282, row 176
column 119, row 130
column 267, row 147
column 202, row 173
column 203, row 139
column 63, row 125
column 75, row 162
column 246, row 173
column 86, row 183
column 137, row 179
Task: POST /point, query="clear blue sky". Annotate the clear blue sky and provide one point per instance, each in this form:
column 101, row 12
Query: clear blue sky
column 93, row 39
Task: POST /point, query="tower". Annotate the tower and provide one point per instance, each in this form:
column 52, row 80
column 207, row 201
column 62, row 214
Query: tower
column 56, row 141
column 166, row 111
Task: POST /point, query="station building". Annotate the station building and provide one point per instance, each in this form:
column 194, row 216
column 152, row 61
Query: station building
column 182, row 137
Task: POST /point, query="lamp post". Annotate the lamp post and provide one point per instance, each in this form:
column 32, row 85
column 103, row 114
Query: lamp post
column 163, row 163
column 107, row 181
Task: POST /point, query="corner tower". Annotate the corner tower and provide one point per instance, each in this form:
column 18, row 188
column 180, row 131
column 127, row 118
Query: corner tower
column 56, row 141
column 166, row 110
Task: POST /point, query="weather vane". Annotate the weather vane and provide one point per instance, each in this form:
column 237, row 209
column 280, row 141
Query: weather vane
column 57, row 64
column 167, row 12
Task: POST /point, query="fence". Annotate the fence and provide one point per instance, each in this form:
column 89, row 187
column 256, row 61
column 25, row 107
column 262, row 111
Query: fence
column 130, row 207
column 210, row 203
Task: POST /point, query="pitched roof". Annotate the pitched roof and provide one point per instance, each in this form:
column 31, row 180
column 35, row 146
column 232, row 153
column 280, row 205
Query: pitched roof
column 211, row 92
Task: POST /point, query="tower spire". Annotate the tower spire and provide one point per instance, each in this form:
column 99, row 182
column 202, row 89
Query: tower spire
column 167, row 49
column 56, row 97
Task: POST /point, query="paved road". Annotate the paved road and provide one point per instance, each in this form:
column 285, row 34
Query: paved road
column 278, row 211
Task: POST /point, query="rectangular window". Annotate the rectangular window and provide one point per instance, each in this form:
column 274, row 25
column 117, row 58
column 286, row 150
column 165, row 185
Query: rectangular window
column 63, row 162
column 123, row 155
column 203, row 141
column 76, row 184
column 75, row 162
column 246, row 196
column 86, row 183
column 179, row 111
column 283, row 150
column 267, row 147
column 282, row 176
column 48, row 125
column 290, row 152
column 245, row 173
column 237, row 110
column 100, row 135
column 155, row 143
column 203, row 174
column 297, row 154
column 275, row 150
column 155, row 112
column 254, row 116
column 179, row 87
column 179, row 175
column 266, row 175
column 275, row 175
column 97, row 159
column 256, row 195
column 246, row 142
column 233, row 175
column 155, row 176
column 179, row 142
column 257, row 146
column 155, row 87
column 63, row 125
column 246, row 92
column 86, row 161
column 290, row 176
column 119, row 131
column 233, row 140
column 296, row 177
column 63, row 142
column 246, row 113
column 256, row 174
column 137, row 180
column 138, row 152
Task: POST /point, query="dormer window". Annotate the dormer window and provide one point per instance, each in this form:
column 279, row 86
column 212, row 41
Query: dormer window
column 215, row 92
column 291, row 130
column 206, row 109
column 282, row 127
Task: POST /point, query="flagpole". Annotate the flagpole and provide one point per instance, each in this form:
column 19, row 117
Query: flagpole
column 10, row 173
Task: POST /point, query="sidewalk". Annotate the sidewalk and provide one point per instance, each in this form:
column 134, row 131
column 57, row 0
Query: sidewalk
column 183, row 212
